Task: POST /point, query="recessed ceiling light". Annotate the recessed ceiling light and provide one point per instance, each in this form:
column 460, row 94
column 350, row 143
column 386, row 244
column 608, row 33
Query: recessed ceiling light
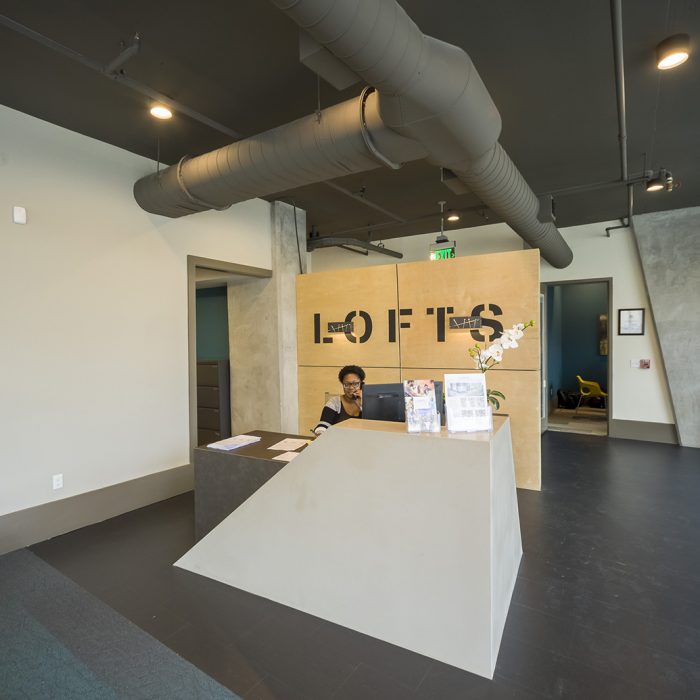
column 452, row 216
column 673, row 51
column 160, row 111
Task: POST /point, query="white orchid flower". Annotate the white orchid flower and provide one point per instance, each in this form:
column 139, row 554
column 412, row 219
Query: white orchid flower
column 486, row 358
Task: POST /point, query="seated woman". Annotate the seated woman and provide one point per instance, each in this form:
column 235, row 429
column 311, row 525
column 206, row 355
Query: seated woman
column 348, row 404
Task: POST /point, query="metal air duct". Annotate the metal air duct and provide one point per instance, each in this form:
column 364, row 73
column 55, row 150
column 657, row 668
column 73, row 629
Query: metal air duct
column 430, row 102
column 431, row 92
column 346, row 138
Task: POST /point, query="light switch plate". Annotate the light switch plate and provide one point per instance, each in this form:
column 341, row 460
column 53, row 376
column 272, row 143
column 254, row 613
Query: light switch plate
column 19, row 215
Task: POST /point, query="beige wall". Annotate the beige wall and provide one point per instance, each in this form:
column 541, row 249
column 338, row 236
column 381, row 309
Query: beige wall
column 94, row 347
column 390, row 353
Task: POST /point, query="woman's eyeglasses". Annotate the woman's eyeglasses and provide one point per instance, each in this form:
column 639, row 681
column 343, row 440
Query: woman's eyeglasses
column 351, row 385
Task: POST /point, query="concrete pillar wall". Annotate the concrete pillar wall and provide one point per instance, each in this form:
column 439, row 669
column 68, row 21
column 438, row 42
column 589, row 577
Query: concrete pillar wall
column 669, row 248
column 262, row 333
column 289, row 259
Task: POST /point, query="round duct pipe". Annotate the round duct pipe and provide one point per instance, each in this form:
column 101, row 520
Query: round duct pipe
column 430, row 91
column 305, row 151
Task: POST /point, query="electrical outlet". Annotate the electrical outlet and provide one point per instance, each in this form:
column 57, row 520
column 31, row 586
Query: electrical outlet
column 57, row 481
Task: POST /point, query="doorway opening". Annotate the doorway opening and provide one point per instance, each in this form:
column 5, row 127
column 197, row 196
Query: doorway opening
column 210, row 395
column 576, row 359
column 213, row 373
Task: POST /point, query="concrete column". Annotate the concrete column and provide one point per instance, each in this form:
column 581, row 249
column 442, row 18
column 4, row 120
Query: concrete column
column 262, row 333
column 669, row 248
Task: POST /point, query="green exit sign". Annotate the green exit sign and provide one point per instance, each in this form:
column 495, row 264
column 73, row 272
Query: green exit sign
column 443, row 253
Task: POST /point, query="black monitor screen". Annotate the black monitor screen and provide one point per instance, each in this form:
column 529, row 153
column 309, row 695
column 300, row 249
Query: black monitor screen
column 383, row 402
column 386, row 401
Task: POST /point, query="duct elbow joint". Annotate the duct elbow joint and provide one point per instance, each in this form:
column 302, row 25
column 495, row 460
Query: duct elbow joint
column 166, row 193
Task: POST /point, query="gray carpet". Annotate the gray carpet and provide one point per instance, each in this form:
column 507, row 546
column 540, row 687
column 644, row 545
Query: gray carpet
column 58, row 641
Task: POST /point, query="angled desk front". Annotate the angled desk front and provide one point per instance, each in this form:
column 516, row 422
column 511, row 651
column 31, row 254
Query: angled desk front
column 225, row 479
column 410, row 538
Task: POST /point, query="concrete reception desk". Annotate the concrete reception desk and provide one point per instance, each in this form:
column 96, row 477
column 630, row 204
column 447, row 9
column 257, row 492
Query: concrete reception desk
column 410, row 538
column 223, row 480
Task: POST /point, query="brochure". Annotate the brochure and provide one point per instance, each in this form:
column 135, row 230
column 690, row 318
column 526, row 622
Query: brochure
column 421, row 409
column 466, row 404
column 289, row 444
column 286, row 456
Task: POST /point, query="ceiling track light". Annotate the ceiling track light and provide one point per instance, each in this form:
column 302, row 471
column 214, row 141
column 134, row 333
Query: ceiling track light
column 662, row 181
column 673, row 51
column 452, row 215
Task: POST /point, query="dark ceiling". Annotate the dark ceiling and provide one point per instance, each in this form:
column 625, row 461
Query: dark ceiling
column 548, row 65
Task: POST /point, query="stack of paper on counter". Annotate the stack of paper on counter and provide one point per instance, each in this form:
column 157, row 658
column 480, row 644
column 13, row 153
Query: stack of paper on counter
column 233, row 442
column 289, row 444
column 286, row 456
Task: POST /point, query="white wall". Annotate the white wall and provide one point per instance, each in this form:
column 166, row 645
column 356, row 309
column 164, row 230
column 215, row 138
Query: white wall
column 93, row 313
column 637, row 395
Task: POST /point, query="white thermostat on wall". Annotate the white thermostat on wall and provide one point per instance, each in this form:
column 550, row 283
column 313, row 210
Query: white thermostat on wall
column 19, row 215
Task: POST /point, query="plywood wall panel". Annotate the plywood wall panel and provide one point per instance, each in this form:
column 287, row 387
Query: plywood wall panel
column 503, row 288
column 316, row 382
column 505, row 285
column 366, row 296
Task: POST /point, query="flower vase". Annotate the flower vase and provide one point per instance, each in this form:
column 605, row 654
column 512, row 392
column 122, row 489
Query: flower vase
column 489, row 411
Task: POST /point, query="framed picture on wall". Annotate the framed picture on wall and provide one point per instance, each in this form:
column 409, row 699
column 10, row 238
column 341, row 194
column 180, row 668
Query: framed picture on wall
column 630, row 321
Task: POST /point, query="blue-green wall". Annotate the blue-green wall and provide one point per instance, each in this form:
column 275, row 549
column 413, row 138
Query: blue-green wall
column 554, row 340
column 212, row 324
column 573, row 348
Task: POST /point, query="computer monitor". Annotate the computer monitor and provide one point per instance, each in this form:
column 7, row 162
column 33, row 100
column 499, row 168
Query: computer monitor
column 386, row 402
column 383, row 402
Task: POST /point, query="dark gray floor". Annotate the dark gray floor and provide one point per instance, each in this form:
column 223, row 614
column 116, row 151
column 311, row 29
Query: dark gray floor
column 57, row 641
column 606, row 604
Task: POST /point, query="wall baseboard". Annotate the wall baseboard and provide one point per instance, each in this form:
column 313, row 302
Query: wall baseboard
column 640, row 430
column 31, row 525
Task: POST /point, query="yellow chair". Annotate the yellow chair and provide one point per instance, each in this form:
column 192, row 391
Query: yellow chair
column 589, row 389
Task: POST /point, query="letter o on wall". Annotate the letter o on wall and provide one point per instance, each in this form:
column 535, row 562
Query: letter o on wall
column 368, row 326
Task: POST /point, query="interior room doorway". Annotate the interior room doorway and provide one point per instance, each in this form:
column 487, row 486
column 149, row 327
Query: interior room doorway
column 209, row 282
column 213, row 356
column 576, row 359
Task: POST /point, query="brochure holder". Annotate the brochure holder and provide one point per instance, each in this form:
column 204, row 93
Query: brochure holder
column 466, row 403
column 421, row 407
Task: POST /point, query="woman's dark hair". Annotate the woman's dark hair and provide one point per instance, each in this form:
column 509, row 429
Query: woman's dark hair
column 351, row 369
